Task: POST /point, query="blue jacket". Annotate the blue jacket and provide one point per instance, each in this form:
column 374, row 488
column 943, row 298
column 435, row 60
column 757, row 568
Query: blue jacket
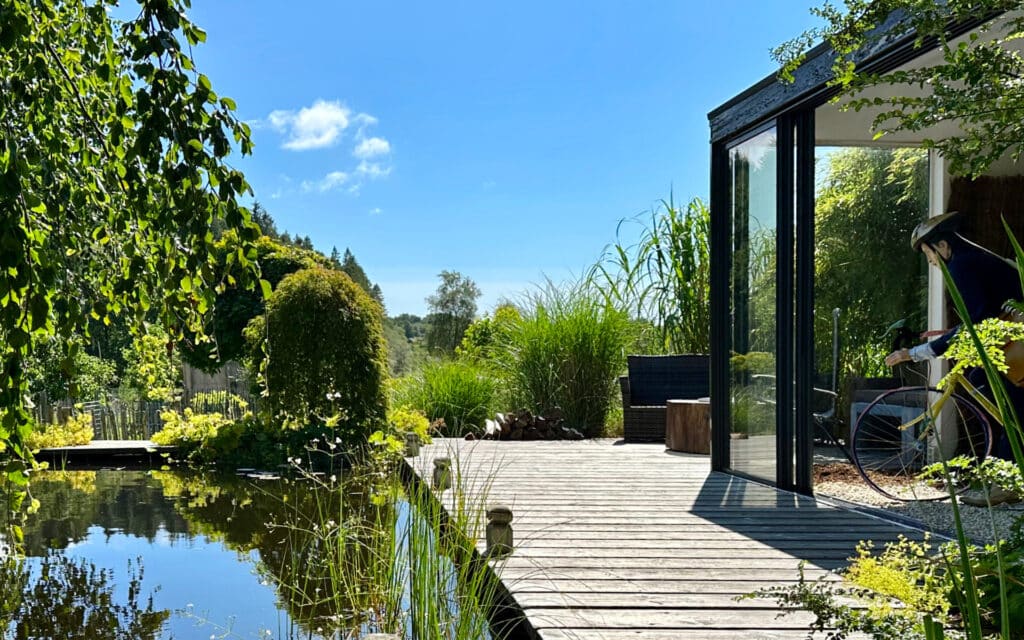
column 985, row 281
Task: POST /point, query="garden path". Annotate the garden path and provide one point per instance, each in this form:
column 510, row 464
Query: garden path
column 617, row 541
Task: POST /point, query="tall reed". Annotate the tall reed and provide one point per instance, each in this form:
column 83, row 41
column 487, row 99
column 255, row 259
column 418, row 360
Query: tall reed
column 665, row 276
column 566, row 352
column 374, row 557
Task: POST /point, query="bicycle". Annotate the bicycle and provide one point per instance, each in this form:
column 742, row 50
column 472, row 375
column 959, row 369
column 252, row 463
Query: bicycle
column 905, row 429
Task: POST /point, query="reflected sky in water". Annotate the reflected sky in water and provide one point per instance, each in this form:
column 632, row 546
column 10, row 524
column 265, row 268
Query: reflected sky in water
column 198, row 543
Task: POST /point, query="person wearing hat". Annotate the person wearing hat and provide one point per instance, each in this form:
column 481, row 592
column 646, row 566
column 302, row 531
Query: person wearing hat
column 986, row 282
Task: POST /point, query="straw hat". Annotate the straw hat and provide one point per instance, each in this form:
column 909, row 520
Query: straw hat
column 941, row 223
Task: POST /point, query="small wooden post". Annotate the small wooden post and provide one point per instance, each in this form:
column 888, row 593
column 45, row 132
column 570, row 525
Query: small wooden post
column 499, row 531
column 442, row 473
column 412, row 445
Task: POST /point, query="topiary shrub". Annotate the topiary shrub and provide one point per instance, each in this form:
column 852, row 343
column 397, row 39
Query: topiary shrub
column 322, row 354
column 236, row 307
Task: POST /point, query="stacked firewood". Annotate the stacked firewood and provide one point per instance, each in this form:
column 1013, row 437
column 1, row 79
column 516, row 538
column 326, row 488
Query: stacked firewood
column 523, row 425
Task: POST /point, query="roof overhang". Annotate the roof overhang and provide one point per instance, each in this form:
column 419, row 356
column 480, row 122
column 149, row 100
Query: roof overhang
column 770, row 97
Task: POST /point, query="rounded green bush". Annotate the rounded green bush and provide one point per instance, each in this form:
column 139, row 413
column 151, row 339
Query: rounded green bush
column 323, row 353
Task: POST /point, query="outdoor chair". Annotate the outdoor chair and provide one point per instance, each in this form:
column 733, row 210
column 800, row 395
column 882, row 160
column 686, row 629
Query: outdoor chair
column 652, row 381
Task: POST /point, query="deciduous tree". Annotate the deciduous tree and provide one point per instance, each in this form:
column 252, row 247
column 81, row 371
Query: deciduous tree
column 113, row 175
column 977, row 83
column 452, row 309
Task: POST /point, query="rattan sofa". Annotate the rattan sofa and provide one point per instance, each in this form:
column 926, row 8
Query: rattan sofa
column 652, row 381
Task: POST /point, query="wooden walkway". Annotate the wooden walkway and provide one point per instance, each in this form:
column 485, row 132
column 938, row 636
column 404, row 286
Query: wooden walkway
column 108, row 452
column 616, row 541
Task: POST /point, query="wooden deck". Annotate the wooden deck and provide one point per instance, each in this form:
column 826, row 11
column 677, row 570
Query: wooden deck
column 108, row 452
column 616, row 541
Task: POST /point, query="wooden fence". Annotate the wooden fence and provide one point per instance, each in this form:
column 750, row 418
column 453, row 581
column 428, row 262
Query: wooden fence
column 117, row 419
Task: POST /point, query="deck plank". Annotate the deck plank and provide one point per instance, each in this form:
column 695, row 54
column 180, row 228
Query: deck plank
column 630, row 541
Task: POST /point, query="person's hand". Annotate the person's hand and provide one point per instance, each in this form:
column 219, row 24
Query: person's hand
column 896, row 357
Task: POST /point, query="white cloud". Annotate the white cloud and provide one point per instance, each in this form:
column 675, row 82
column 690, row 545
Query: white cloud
column 332, row 180
column 372, row 170
column 371, row 148
column 363, row 120
column 329, row 182
column 376, row 211
column 315, row 127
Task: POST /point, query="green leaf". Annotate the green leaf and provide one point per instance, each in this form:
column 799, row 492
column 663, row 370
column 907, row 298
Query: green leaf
column 186, row 284
column 266, row 288
column 40, row 311
column 34, row 203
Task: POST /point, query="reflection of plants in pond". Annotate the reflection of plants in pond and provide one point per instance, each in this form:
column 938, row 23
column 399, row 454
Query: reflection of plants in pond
column 73, row 599
column 351, row 554
column 70, row 501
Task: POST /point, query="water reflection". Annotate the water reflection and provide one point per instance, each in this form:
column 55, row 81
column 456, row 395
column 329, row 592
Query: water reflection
column 62, row 597
column 259, row 561
column 72, row 502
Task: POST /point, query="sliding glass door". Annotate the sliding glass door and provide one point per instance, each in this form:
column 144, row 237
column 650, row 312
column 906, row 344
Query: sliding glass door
column 752, row 391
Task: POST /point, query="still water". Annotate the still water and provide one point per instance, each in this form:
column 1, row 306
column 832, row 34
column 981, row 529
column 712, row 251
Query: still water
column 150, row 555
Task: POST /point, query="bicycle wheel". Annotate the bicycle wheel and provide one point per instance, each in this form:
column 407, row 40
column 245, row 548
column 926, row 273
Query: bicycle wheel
column 900, row 432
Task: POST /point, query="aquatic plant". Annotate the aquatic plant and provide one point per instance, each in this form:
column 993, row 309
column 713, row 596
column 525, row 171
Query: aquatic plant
column 400, row 561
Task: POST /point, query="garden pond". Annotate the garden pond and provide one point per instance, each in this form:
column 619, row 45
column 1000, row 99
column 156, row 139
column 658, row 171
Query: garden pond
column 163, row 554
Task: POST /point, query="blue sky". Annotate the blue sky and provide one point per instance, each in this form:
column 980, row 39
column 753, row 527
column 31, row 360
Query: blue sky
column 504, row 141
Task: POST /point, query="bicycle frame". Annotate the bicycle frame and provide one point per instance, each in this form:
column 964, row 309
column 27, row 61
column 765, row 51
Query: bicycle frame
column 952, row 382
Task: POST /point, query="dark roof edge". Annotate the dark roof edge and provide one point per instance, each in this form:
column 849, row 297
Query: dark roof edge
column 811, row 78
column 767, row 81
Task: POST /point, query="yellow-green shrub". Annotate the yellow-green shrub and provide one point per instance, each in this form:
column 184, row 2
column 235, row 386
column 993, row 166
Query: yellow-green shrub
column 75, row 432
column 188, row 428
column 406, row 419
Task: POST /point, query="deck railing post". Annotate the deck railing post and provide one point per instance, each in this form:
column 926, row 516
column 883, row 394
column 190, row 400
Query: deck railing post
column 412, row 445
column 499, row 531
column 442, row 473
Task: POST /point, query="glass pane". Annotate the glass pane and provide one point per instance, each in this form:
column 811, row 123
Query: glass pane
column 752, row 167
column 867, row 200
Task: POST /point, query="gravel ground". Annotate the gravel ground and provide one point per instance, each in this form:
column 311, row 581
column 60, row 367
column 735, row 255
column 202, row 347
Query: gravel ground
column 840, row 480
